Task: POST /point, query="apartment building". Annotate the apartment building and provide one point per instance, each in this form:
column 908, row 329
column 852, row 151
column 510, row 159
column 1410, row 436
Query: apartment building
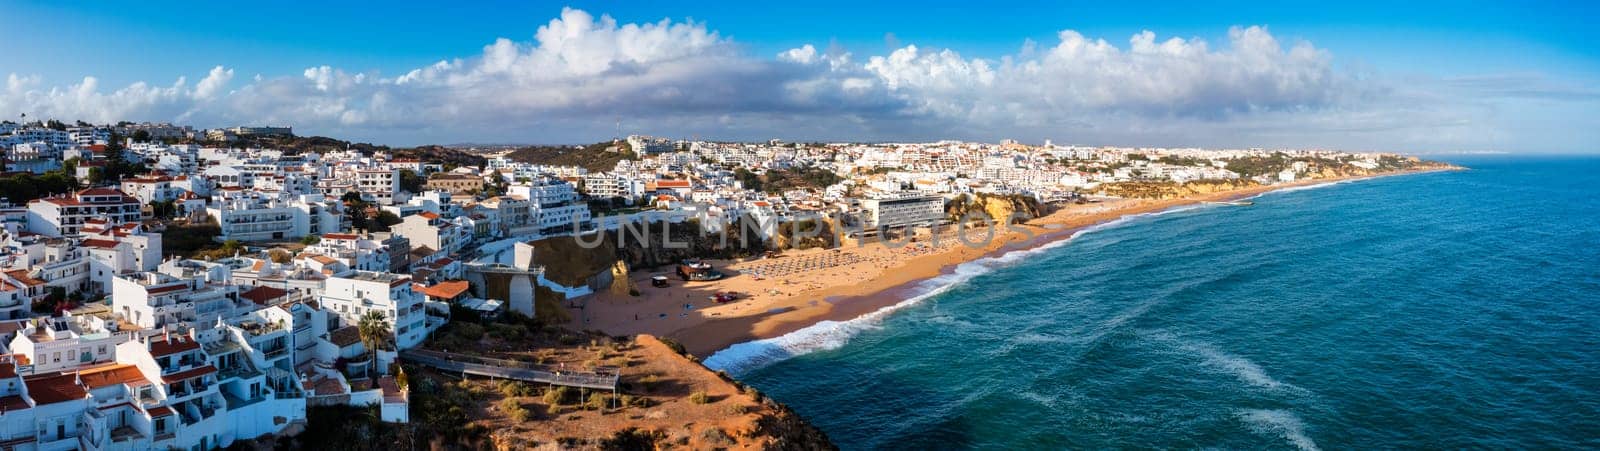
column 381, row 185
column 179, row 294
column 430, row 230
column 66, row 342
column 902, row 211
column 554, row 206
column 355, row 251
column 261, row 216
column 351, row 297
column 64, row 215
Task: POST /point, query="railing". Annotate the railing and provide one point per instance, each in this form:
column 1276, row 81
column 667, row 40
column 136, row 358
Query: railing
column 511, row 370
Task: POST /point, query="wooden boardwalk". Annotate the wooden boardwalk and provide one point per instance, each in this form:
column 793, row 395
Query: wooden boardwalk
column 603, row 379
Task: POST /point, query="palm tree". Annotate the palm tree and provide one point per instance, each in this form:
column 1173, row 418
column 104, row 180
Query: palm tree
column 374, row 329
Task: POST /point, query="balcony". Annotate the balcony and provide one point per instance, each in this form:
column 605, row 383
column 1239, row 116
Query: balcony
column 276, row 353
column 125, row 433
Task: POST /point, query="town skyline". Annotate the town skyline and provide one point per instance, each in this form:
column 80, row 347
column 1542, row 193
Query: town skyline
column 1251, row 77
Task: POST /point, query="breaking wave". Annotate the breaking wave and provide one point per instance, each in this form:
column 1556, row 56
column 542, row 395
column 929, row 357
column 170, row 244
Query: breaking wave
column 830, row 335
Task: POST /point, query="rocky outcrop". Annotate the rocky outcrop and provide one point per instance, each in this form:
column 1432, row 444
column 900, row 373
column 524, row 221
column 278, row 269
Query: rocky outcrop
column 1171, row 190
column 996, row 207
column 770, row 425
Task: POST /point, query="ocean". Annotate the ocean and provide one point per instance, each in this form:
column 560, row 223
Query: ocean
column 1441, row 310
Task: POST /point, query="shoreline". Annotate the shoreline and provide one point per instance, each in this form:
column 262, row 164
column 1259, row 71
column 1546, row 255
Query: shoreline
column 719, row 327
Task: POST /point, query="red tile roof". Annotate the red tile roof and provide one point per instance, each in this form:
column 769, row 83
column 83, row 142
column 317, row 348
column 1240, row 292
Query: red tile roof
column 22, row 276
column 261, row 295
column 166, row 289
column 446, row 290
column 162, row 411
column 54, row 388
column 10, row 403
column 99, row 192
column 100, row 244
column 172, row 344
column 339, row 236
column 126, row 374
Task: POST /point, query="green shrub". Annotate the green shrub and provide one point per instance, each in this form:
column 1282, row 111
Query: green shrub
column 514, row 410
column 699, row 397
column 514, row 388
column 558, row 395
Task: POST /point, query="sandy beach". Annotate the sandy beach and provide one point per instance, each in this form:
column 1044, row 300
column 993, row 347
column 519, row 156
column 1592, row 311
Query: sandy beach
column 780, row 295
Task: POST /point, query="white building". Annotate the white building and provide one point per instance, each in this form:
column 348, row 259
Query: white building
column 430, row 230
column 192, row 296
column 66, row 342
column 259, row 216
column 903, row 211
column 66, row 214
column 390, row 294
column 381, row 185
column 356, row 252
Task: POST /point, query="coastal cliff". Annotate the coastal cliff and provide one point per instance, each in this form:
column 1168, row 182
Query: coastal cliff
column 1171, row 190
column 664, row 400
column 668, row 401
column 1018, row 208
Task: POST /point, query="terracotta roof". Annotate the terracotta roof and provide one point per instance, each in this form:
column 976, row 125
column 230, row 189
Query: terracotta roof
column 429, row 215
column 162, row 411
column 446, row 290
column 8, row 327
column 22, row 276
column 345, row 336
column 99, row 192
column 339, row 236
column 260, row 295
column 391, row 389
column 126, row 374
column 172, row 345
column 257, row 267
column 101, row 244
column 166, row 289
column 54, row 388
column 188, row 374
column 15, row 402
column 672, row 184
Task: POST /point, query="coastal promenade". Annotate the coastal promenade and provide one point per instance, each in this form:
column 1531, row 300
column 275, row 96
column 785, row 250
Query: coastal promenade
column 510, row 369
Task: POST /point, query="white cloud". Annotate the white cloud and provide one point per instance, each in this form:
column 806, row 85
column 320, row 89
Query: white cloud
column 213, row 83
column 580, row 73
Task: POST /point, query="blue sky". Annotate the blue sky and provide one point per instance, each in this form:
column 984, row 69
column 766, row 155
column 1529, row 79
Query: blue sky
column 1418, row 76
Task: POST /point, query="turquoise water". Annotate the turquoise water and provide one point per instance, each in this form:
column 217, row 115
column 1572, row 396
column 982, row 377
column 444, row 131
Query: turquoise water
column 1441, row 310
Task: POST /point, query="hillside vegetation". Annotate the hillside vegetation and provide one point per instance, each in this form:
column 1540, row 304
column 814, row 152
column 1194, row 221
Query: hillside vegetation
column 593, row 157
column 321, row 144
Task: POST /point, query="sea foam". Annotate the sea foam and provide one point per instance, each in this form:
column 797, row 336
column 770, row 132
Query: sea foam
column 1281, row 422
column 1244, row 369
column 829, row 335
